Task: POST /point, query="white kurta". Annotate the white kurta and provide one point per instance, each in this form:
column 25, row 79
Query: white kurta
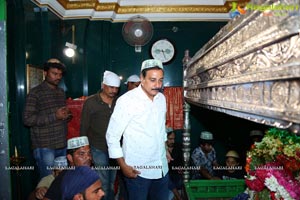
column 141, row 121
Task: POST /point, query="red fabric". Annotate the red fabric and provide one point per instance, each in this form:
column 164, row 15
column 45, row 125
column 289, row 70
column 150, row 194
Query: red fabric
column 174, row 97
column 75, row 107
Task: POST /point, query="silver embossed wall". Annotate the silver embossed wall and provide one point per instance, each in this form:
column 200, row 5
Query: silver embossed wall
column 251, row 67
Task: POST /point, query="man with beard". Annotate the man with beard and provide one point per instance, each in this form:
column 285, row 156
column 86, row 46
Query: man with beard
column 46, row 114
column 140, row 116
column 95, row 116
column 82, row 184
column 78, row 154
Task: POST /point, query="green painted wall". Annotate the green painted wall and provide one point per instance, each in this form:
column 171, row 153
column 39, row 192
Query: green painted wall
column 100, row 47
column 2, row 10
column 16, row 62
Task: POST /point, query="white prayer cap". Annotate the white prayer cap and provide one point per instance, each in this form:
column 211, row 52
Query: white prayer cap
column 205, row 135
column 111, row 79
column 60, row 162
column 150, row 63
column 133, row 78
column 233, row 154
column 77, row 142
column 169, row 129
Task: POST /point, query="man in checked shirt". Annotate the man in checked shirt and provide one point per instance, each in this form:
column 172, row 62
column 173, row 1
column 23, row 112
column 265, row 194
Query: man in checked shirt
column 47, row 116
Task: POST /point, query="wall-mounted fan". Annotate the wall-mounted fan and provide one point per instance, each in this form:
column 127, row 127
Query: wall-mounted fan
column 137, row 32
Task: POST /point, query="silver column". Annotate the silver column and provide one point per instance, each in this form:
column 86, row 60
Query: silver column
column 186, row 136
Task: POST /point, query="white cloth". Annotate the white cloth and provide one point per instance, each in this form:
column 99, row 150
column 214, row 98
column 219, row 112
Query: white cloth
column 111, row 79
column 77, row 142
column 133, row 78
column 46, row 181
column 151, row 63
column 142, row 123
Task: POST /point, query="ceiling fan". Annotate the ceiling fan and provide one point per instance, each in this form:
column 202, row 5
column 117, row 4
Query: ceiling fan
column 137, row 32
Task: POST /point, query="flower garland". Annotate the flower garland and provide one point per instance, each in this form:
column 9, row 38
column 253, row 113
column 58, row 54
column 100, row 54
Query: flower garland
column 274, row 164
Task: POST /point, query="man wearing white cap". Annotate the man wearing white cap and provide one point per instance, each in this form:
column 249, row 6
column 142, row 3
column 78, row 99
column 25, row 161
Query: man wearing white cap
column 140, row 116
column 95, row 116
column 205, row 157
column 78, row 154
column 132, row 82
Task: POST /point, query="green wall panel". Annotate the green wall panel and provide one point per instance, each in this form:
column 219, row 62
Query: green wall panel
column 16, row 69
column 2, row 10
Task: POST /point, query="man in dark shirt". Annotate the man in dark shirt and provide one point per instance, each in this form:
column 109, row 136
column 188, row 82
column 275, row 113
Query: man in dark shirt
column 78, row 154
column 46, row 114
column 95, row 116
column 175, row 165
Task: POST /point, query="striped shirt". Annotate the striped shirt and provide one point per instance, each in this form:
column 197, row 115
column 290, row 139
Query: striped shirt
column 39, row 114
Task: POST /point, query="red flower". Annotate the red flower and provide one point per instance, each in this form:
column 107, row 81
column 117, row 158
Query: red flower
column 290, row 164
column 257, row 184
column 272, row 194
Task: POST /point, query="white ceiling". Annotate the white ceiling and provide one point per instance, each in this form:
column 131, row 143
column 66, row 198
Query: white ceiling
column 158, row 10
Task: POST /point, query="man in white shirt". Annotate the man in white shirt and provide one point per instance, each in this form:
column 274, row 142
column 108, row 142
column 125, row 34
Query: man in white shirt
column 140, row 116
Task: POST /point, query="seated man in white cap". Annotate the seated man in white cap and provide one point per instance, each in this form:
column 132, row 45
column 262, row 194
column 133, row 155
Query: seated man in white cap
column 205, row 157
column 232, row 170
column 59, row 164
column 132, row 82
column 81, row 183
column 95, row 116
column 78, row 154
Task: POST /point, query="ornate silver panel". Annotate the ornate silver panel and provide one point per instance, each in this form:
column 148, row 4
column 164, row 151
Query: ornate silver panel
column 251, row 68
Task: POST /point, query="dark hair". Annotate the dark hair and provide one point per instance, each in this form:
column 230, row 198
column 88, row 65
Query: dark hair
column 169, row 133
column 72, row 151
column 49, row 65
column 144, row 71
column 203, row 142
